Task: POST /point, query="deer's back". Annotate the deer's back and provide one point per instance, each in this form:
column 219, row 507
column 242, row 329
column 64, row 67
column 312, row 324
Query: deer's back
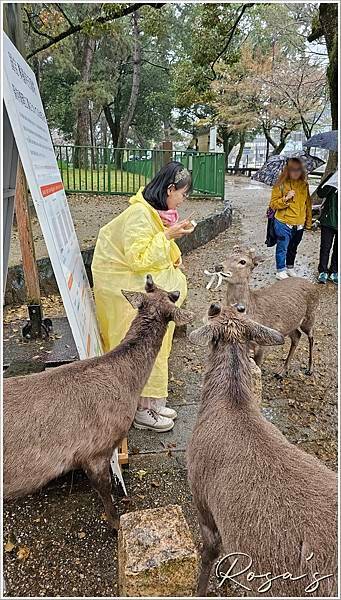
column 284, row 304
column 267, row 498
column 55, row 419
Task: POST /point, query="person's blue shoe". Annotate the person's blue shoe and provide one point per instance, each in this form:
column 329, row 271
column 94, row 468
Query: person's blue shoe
column 323, row 278
column 334, row 277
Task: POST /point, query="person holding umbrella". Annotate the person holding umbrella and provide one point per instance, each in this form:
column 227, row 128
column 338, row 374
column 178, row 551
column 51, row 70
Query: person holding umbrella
column 290, row 199
column 290, row 203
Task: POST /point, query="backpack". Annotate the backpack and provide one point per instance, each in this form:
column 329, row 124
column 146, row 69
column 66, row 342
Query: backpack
column 271, row 238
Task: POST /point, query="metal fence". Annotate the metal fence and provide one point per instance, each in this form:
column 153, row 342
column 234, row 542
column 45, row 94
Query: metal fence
column 103, row 170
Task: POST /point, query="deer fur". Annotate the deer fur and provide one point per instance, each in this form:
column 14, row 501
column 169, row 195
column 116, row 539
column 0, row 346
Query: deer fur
column 255, row 492
column 289, row 306
column 74, row 416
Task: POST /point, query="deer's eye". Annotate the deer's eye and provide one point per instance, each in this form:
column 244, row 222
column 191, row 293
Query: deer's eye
column 242, row 262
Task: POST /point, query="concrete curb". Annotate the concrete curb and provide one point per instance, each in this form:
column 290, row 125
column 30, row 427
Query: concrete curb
column 206, row 230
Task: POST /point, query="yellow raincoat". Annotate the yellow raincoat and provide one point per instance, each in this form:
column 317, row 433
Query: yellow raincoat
column 128, row 248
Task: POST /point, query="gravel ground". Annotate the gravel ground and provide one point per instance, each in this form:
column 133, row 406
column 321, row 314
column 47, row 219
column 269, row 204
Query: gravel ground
column 58, row 543
column 90, row 213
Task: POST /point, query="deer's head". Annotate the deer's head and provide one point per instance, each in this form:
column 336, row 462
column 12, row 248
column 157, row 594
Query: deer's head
column 158, row 303
column 238, row 266
column 225, row 325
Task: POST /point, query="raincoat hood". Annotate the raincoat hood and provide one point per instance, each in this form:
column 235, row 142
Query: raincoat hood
column 139, row 199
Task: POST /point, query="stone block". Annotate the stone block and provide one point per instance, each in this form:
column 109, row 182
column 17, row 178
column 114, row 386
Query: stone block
column 156, row 554
column 256, row 381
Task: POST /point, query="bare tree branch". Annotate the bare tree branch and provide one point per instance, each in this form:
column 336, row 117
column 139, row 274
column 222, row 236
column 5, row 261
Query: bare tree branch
column 62, row 11
column 154, row 65
column 97, row 21
column 34, row 28
column 229, row 39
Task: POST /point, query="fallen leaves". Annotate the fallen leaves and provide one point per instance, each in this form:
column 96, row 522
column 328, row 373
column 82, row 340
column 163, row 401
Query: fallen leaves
column 9, row 546
column 52, row 306
column 141, row 474
column 23, row 553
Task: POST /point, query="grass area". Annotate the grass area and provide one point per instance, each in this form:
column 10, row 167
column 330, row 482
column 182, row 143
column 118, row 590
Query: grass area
column 112, row 181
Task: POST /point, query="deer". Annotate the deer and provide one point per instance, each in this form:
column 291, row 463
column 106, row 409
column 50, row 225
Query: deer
column 267, row 506
column 74, row 416
column 288, row 306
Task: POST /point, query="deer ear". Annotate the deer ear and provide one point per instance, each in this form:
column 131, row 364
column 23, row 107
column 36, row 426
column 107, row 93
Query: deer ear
column 150, row 285
column 263, row 336
column 258, row 259
column 134, row 298
column 202, row 336
column 180, row 316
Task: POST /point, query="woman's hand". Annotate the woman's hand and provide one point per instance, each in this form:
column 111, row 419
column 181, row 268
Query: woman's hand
column 178, row 230
column 290, row 195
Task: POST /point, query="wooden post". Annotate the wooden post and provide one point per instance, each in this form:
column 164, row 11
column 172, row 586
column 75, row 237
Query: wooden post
column 123, row 455
column 26, row 238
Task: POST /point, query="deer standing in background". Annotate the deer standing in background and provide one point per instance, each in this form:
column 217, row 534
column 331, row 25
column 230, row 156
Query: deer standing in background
column 289, row 306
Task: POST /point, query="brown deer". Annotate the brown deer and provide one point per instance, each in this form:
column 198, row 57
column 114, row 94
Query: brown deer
column 289, row 306
column 267, row 506
column 74, row 416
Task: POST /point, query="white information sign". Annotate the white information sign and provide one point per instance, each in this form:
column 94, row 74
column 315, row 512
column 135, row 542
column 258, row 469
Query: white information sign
column 32, row 136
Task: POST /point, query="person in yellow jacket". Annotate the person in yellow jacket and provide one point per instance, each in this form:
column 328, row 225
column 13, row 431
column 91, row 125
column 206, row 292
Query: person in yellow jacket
column 139, row 241
column 291, row 202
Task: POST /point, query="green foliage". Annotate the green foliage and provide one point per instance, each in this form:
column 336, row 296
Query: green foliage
column 199, row 63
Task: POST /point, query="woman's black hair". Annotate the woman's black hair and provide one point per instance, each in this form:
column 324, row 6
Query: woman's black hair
column 155, row 191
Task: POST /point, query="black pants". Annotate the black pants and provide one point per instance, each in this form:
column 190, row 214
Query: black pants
column 328, row 239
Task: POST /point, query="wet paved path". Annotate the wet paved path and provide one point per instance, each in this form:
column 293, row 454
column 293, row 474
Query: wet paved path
column 71, row 550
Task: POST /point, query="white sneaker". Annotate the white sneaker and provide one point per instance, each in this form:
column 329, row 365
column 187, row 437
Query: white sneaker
column 149, row 419
column 165, row 411
column 281, row 275
column 291, row 272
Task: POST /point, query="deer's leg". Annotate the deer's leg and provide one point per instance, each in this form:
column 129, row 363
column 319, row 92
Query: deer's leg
column 295, row 337
column 211, row 543
column 307, row 327
column 98, row 471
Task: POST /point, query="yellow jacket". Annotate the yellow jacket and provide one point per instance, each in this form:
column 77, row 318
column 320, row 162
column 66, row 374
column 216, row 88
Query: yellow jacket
column 297, row 211
column 127, row 249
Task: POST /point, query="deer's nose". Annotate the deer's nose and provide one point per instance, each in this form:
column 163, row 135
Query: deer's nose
column 218, row 268
column 214, row 310
column 240, row 308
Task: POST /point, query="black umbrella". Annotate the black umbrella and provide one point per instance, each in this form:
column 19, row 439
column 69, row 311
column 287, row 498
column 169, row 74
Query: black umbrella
column 327, row 140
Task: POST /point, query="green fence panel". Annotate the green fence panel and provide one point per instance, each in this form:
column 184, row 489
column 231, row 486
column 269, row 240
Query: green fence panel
column 104, row 170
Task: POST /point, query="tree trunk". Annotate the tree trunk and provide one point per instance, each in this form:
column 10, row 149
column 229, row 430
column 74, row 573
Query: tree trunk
column 327, row 27
column 279, row 147
column 83, row 121
column 128, row 117
column 240, row 151
column 113, row 125
column 328, row 19
column 230, row 140
column 328, row 14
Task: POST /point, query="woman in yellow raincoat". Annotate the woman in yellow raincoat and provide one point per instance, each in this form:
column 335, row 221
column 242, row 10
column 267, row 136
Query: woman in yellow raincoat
column 137, row 242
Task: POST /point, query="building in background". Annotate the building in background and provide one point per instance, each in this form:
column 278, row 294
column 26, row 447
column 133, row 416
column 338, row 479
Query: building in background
column 254, row 154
